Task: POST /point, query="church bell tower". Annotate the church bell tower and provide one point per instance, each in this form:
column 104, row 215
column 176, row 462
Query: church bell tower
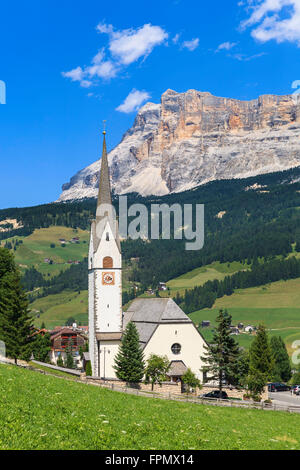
column 105, row 280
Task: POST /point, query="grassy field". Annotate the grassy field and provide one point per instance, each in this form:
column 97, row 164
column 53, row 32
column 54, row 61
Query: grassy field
column 55, row 309
column 277, row 305
column 199, row 276
column 36, row 247
column 43, row 412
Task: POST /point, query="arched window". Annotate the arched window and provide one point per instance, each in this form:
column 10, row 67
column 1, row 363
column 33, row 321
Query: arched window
column 107, row 262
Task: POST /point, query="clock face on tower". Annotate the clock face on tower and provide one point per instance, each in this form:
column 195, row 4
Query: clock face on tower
column 108, row 279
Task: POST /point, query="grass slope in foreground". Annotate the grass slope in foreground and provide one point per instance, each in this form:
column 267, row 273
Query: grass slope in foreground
column 43, row 412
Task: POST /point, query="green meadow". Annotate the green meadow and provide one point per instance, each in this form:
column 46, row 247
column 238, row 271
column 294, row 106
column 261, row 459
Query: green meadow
column 55, row 309
column 199, row 276
column 276, row 305
column 36, row 247
column 44, row 412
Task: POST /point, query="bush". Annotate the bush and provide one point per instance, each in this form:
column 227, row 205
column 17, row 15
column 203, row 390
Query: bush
column 88, row 369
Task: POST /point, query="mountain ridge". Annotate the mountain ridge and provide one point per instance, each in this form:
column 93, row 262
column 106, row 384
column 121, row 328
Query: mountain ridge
column 194, row 137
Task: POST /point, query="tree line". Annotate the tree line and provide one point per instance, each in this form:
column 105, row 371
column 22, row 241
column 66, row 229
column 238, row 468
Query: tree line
column 260, row 274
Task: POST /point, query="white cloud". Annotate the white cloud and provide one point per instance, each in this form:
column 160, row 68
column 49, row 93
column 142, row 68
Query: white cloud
column 125, row 47
column 105, row 70
column 226, row 46
column 76, row 75
column 98, row 58
column 129, row 45
column 191, row 45
column 275, row 19
column 246, row 58
column 133, row 101
column 175, row 39
column 105, row 28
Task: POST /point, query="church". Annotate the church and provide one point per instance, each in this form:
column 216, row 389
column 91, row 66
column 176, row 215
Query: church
column 163, row 327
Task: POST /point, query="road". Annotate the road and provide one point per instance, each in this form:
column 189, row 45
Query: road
column 285, row 398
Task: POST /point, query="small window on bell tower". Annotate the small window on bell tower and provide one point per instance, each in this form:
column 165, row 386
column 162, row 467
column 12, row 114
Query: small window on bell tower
column 107, row 236
column 107, row 262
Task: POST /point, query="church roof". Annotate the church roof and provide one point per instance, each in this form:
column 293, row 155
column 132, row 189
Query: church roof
column 104, row 195
column 147, row 314
column 177, row 368
column 104, row 198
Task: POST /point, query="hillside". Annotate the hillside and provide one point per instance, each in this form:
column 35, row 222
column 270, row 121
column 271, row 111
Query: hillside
column 44, row 244
column 277, row 305
column 245, row 220
column 199, row 276
column 194, row 137
column 55, row 414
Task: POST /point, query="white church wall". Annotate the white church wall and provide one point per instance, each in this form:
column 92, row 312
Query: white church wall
column 108, row 297
column 185, row 334
column 108, row 351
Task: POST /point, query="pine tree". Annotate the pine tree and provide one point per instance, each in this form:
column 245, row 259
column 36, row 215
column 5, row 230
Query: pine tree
column 69, row 352
column 41, row 347
column 222, row 354
column 88, row 369
column 282, row 366
column 261, row 362
column 129, row 362
column 60, row 361
column 15, row 320
column 260, row 353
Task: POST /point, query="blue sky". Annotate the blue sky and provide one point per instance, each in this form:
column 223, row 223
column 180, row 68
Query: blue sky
column 68, row 65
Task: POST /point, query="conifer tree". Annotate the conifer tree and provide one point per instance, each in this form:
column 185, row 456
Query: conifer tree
column 15, row 320
column 88, row 369
column 129, row 362
column 222, row 354
column 282, row 366
column 69, row 352
column 261, row 362
column 60, row 361
column 41, row 347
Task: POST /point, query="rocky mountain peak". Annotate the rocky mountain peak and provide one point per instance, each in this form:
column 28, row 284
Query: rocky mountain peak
column 194, row 137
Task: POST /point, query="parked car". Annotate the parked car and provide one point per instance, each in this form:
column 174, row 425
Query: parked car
column 278, row 387
column 215, row 394
column 296, row 389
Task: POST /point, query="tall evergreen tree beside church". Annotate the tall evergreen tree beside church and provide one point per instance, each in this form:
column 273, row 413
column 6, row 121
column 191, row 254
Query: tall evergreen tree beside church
column 129, row 362
column 222, row 354
column 15, row 320
column 282, row 366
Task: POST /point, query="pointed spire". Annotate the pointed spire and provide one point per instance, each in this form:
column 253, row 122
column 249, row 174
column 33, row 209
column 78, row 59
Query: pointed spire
column 104, row 195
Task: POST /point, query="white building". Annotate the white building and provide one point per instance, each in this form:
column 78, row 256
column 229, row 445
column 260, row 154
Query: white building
column 163, row 327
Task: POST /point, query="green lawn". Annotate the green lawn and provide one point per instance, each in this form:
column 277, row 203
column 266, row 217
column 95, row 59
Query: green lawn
column 43, row 412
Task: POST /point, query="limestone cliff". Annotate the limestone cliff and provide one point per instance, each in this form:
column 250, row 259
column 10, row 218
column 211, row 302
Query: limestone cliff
column 194, row 137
